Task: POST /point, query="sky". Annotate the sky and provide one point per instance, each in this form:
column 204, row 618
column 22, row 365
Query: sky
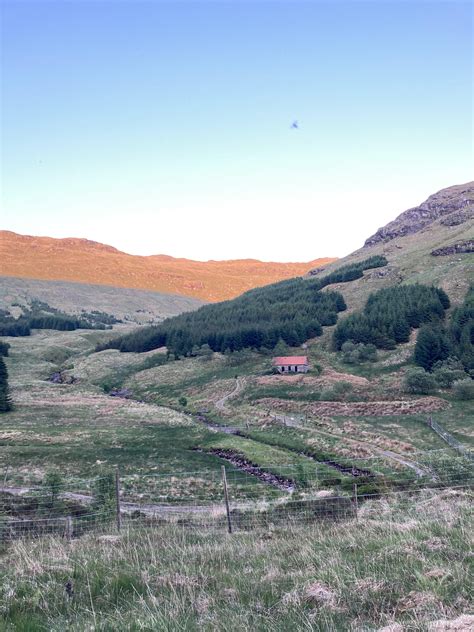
column 166, row 127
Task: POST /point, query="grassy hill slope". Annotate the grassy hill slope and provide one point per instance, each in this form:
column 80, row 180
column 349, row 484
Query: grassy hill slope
column 85, row 261
column 408, row 252
column 129, row 305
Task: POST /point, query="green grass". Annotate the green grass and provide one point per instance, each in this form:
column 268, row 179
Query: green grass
column 404, row 561
column 79, row 430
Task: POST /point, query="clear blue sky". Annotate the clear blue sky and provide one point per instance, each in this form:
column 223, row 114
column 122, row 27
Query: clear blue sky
column 164, row 127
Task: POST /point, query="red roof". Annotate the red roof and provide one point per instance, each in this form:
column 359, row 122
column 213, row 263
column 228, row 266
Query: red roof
column 287, row 360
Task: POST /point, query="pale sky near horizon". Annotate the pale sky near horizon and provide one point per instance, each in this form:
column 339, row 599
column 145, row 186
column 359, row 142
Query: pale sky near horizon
column 165, row 127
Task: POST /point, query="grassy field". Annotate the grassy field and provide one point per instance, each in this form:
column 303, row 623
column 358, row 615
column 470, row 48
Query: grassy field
column 80, row 430
column 402, row 566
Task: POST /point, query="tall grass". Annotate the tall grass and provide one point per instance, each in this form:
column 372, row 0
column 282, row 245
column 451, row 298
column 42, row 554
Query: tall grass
column 402, row 561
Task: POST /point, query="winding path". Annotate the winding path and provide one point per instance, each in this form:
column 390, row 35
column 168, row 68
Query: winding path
column 239, row 386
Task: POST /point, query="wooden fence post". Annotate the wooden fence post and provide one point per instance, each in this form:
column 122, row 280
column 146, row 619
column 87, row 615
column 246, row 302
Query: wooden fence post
column 356, row 501
column 69, row 528
column 117, row 499
column 226, row 498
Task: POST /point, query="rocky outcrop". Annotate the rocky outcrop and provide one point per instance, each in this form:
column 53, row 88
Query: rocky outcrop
column 61, row 378
column 460, row 247
column 459, row 217
column 457, row 201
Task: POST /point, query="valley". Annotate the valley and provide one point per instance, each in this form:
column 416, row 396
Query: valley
column 119, row 433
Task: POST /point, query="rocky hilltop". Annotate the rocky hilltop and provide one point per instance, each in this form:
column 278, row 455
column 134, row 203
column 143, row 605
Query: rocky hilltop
column 452, row 206
column 432, row 243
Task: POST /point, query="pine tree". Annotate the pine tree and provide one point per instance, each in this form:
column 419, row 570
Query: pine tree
column 431, row 347
column 5, row 400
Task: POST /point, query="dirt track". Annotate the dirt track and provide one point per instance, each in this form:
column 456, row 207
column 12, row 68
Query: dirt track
column 239, row 385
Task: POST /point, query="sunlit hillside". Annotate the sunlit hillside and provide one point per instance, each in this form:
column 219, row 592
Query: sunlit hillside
column 87, row 261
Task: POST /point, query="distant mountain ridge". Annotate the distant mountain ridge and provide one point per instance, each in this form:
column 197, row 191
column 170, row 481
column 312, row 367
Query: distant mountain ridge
column 86, row 261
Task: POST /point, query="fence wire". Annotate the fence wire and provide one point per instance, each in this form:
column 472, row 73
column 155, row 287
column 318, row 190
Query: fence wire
column 274, row 496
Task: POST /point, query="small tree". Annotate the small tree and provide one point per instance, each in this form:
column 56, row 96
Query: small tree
column 54, row 483
column 182, row 401
column 103, row 494
column 431, row 347
column 281, row 348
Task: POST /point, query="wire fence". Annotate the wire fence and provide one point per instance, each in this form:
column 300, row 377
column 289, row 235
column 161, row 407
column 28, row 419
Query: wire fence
column 450, row 440
column 229, row 499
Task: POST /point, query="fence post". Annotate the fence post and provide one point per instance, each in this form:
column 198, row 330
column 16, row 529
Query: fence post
column 226, row 498
column 117, row 499
column 356, row 501
column 69, row 528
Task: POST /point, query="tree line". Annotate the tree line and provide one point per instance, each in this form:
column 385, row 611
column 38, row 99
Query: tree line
column 390, row 314
column 438, row 343
column 292, row 311
column 40, row 315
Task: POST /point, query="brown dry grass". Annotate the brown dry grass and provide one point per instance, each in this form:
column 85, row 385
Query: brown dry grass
column 362, row 409
column 328, row 378
column 85, row 261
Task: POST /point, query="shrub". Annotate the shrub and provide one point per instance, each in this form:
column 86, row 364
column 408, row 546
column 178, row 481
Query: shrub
column 445, row 377
column 357, row 353
column 464, row 389
column 341, row 388
column 337, row 392
column 419, row 381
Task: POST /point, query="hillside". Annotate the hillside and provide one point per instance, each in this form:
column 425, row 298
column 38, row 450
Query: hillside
column 128, row 305
column 89, row 262
column 432, row 243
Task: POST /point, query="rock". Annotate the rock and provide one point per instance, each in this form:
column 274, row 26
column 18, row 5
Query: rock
column 458, row 217
column 125, row 393
column 317, row 271
column 454, row 249
column 60, row 378
column 457, row 200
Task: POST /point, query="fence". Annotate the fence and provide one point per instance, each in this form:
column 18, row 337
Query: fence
column 450, row 440
column 227, row 500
